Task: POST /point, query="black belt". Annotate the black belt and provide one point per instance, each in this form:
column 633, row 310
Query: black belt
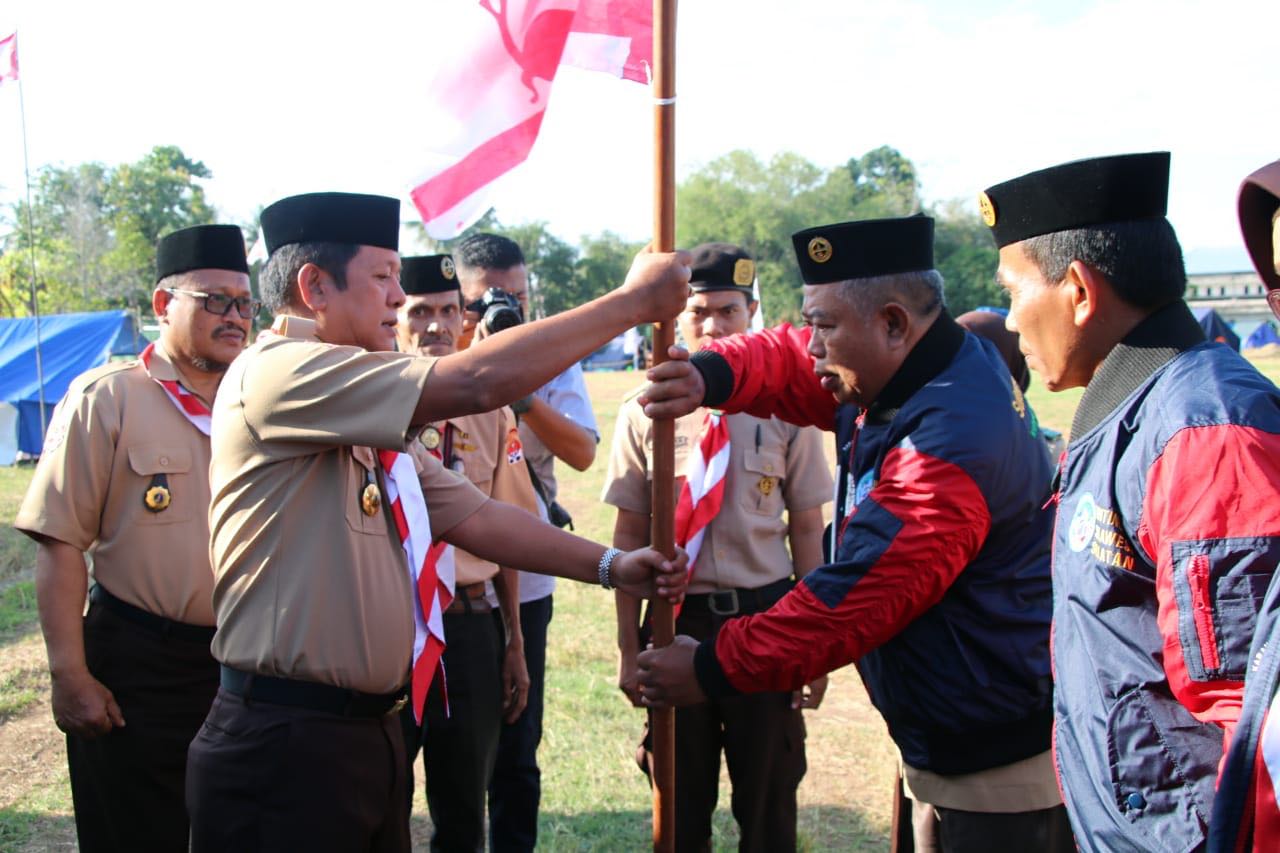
column 99, row 595
column 732, row 602
column 311, row 695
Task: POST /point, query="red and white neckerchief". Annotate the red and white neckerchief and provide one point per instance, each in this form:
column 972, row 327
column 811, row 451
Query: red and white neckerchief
column 431, row 571
column 191, row 406
column 702, row 493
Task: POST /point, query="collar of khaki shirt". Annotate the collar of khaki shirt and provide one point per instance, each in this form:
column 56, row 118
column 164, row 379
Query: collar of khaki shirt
column 289, row 326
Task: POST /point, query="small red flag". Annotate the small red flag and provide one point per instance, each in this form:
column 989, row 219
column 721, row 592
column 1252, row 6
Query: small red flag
column 9, row 58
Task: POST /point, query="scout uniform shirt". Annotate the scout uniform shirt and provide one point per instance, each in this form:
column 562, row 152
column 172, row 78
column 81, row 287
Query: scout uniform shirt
column 486, row 449
column 112, row 438
column 308, row 583
column 773, row 466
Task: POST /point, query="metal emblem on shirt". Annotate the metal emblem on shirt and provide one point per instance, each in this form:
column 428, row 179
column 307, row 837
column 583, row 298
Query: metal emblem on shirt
column 766, row 485
column 431, row 438
column 1019, row 403
column 157, row 498
column 464, row 442
column 371, row 499
column 515, row 450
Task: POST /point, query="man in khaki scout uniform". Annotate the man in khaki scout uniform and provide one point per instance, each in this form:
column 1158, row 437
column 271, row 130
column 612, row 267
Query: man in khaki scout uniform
column 315, row 599
column 124, row 477
column 484, row 661
column 742, row 567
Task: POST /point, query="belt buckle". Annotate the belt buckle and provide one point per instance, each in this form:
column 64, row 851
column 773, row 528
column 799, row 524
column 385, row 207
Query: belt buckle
column 730, row 595
column 399, row 705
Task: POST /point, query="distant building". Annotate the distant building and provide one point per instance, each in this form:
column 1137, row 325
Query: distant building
column 1240, row 297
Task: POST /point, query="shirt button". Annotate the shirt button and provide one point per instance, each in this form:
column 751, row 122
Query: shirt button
column 164, row 460
column 768, row 469
column 1135, row 801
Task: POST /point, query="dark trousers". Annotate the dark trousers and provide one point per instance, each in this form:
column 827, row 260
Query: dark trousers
column 516, row 787
column 127, row 786
column 264, row 777
column 943, row 830
column 763, row 742
column 459, row 746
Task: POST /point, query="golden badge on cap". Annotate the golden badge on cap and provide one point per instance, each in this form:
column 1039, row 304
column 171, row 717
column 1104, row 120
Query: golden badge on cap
column 820, row 250
column 447, row 268
column 431, row 438
column 744, row 272
column 766, row 485
column 371, row 499
column 157, row 499
column 988, row 209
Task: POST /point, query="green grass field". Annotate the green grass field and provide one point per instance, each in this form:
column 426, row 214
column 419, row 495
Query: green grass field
column 594, row 797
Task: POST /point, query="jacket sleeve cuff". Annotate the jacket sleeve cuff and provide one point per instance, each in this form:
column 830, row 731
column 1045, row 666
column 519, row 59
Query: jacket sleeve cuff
column 711, row 677
column 717, row 376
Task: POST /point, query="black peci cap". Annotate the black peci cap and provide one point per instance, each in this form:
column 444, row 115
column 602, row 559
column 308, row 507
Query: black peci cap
column 361, row 220
column 428, row 274
column 864, row 249
column 721, row 266
column 1121, row 188
column 203, row 247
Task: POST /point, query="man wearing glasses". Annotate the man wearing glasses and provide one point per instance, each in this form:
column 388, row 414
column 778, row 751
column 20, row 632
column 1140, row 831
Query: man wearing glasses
column 124, row 477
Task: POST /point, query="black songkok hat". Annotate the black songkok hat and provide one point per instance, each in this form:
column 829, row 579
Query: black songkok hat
column 722, row 266
column 361, row 220
column 864, row 249
column 203, row 247
column 1122, row 188
column 428, row 274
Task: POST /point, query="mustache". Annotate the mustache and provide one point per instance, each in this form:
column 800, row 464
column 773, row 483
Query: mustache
column 229, row 327
column 430, row 340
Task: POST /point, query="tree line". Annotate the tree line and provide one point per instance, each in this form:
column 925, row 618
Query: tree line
column 94, row 230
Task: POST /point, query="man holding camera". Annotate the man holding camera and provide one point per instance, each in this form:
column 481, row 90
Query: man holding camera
column 458, row 735
column 556, row 422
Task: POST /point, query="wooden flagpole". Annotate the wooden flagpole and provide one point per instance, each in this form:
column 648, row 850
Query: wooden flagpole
column 662, row 723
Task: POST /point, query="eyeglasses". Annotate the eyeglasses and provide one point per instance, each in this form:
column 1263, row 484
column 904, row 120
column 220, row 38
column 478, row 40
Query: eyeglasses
column 220, row 304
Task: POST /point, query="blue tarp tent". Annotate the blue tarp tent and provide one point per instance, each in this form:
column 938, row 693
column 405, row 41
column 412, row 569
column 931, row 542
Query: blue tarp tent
column 1263, row 335
column 70, row 344
column 1216, row 328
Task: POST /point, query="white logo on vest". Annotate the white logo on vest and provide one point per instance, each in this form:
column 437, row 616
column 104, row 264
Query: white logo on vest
column 1082, row 524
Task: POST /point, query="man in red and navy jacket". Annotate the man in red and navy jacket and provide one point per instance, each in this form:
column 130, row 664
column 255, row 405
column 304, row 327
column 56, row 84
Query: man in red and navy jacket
column 1168, row 528
column 1246, row 815
column 939, row 582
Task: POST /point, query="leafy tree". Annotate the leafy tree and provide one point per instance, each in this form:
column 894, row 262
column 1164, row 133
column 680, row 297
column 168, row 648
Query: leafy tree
column 93, row 232
column 966, row 256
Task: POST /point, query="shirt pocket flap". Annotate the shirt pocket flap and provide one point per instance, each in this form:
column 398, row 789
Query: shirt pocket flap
column 146, row 461
column 763, row 462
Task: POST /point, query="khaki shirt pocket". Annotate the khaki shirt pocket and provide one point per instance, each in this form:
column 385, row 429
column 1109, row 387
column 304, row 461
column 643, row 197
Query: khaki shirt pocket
column 357, row 479
column 761, row 484
column 167, row 468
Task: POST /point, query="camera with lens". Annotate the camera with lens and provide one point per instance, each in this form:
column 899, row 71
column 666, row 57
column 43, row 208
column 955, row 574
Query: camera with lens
column 498, row 310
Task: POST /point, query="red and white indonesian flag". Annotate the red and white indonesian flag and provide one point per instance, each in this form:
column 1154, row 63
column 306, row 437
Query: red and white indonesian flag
column 9, row 57
column 486, row 107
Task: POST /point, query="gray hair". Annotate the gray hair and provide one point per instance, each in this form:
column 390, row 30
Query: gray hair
column 919, row 292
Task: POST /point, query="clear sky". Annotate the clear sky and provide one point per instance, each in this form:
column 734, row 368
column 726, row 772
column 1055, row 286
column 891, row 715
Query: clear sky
column 285, row 97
